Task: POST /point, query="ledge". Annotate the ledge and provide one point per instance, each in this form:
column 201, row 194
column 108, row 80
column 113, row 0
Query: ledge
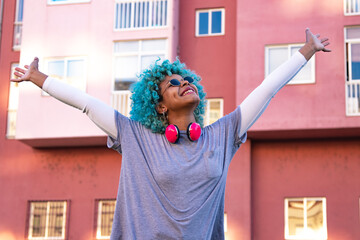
column 65, row 142
column 304, row 134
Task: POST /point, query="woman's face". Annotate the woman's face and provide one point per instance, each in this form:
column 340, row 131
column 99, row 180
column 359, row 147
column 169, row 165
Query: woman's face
column 177, row 97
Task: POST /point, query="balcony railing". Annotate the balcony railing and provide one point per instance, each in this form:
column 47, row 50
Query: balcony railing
column 352, row 7
column 11, row 124
column 353, row 98
column 17, row 35
column 134, row 14
column 121, row 102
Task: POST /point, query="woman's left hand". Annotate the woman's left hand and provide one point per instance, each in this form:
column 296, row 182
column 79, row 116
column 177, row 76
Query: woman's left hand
column 316, row 43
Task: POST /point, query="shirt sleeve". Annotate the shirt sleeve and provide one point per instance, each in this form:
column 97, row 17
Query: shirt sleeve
column 257, row 101
column 99, row 112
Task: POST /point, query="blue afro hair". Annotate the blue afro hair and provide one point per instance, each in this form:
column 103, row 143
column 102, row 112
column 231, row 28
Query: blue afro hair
column 145, row 94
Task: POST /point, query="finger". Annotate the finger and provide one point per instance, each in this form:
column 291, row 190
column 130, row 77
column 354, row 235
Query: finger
column 15, row 80
column 20, row 70
column 325, row 44
column 26, row 66
column 17, row 74
column 317, row 35
column 326, row 50
column 324, row 40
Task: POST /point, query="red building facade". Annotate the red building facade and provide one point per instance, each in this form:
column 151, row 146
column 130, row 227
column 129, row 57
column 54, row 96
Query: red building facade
column 296, row 177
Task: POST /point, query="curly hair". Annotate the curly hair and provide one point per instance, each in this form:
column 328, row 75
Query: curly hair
column 145, row 94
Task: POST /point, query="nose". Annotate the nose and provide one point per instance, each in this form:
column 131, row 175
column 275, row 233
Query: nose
column 184, row 82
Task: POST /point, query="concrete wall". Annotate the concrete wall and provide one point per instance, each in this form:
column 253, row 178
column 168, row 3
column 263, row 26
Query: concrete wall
column 308, row 106
column 328, row 168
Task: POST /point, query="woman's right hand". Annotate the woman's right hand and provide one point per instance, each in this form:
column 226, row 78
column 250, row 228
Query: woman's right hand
column 30, row 73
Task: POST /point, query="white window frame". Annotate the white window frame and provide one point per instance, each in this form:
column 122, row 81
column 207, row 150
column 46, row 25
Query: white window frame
column 133, row 21
column 66, row 59
column 17, row 27
column 351, row 103
column 47, row 222
column 98, row 224
column 350, row 2
column 289, row 46
column 50, row 2
column 207, row 110
column 302, row 237
column 139, row 53
column 209, row 22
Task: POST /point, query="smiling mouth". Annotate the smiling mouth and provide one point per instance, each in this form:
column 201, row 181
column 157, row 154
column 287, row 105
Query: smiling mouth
column 189, row 91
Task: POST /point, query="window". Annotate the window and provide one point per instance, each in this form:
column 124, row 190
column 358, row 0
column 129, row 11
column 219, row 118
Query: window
column 70, row 70
column 105, row 216
column 13, row 105
column 352, row 7
column 140, row 14
column 130, row 58
column 352, row 84
column 210, row 22
column 277, row 55
column 214, row 110
column 305, row 218
column 52, row 2
column 18, row 24
column 47, row 220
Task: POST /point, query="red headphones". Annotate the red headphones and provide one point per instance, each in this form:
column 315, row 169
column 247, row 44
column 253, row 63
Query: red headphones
column 172, row 132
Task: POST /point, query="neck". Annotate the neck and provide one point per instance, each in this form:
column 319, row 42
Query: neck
column 181, row 119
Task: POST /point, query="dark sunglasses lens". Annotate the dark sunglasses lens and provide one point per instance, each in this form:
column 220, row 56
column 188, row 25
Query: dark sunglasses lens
column 189, row 79
column 175, row 82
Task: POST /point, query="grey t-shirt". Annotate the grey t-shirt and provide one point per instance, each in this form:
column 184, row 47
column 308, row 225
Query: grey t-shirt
column 173, row 191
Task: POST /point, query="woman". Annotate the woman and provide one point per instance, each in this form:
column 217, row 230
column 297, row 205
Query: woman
column 172, row 185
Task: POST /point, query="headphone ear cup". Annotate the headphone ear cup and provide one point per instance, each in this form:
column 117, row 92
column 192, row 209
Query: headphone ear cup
column 172, row 133
column 193, row 131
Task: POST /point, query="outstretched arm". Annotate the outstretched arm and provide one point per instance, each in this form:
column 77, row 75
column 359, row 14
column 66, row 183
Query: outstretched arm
column 255, row 104
column 100, row 113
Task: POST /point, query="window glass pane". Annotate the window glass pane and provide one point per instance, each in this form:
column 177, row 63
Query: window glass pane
column 75, row 68
column 353, row 33
column 125, row 72
column 315, row 217
column 203, row 23
column 146, row 61
column 355, row 61
column 107, row 215
column 295, row 217
column 38, row 223
column 128, row 46
column 55, row 224
column 154, row 45
column 277, row 56
column 214, row 112
column 56, row 69
column 216, row 22
column 20, row 10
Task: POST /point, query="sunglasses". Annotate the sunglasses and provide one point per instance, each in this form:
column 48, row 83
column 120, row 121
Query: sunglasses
column 175, row 82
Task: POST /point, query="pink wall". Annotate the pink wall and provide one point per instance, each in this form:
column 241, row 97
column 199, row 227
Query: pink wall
column 80, row 175
column 213, row 58
column 80, row 30
column 320, row 105
column 328, row 168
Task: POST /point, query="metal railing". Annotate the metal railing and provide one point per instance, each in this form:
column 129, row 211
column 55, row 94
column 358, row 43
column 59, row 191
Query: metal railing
column 134, row 14
column 352, row 90
column 352, row 7
column 121, row 102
